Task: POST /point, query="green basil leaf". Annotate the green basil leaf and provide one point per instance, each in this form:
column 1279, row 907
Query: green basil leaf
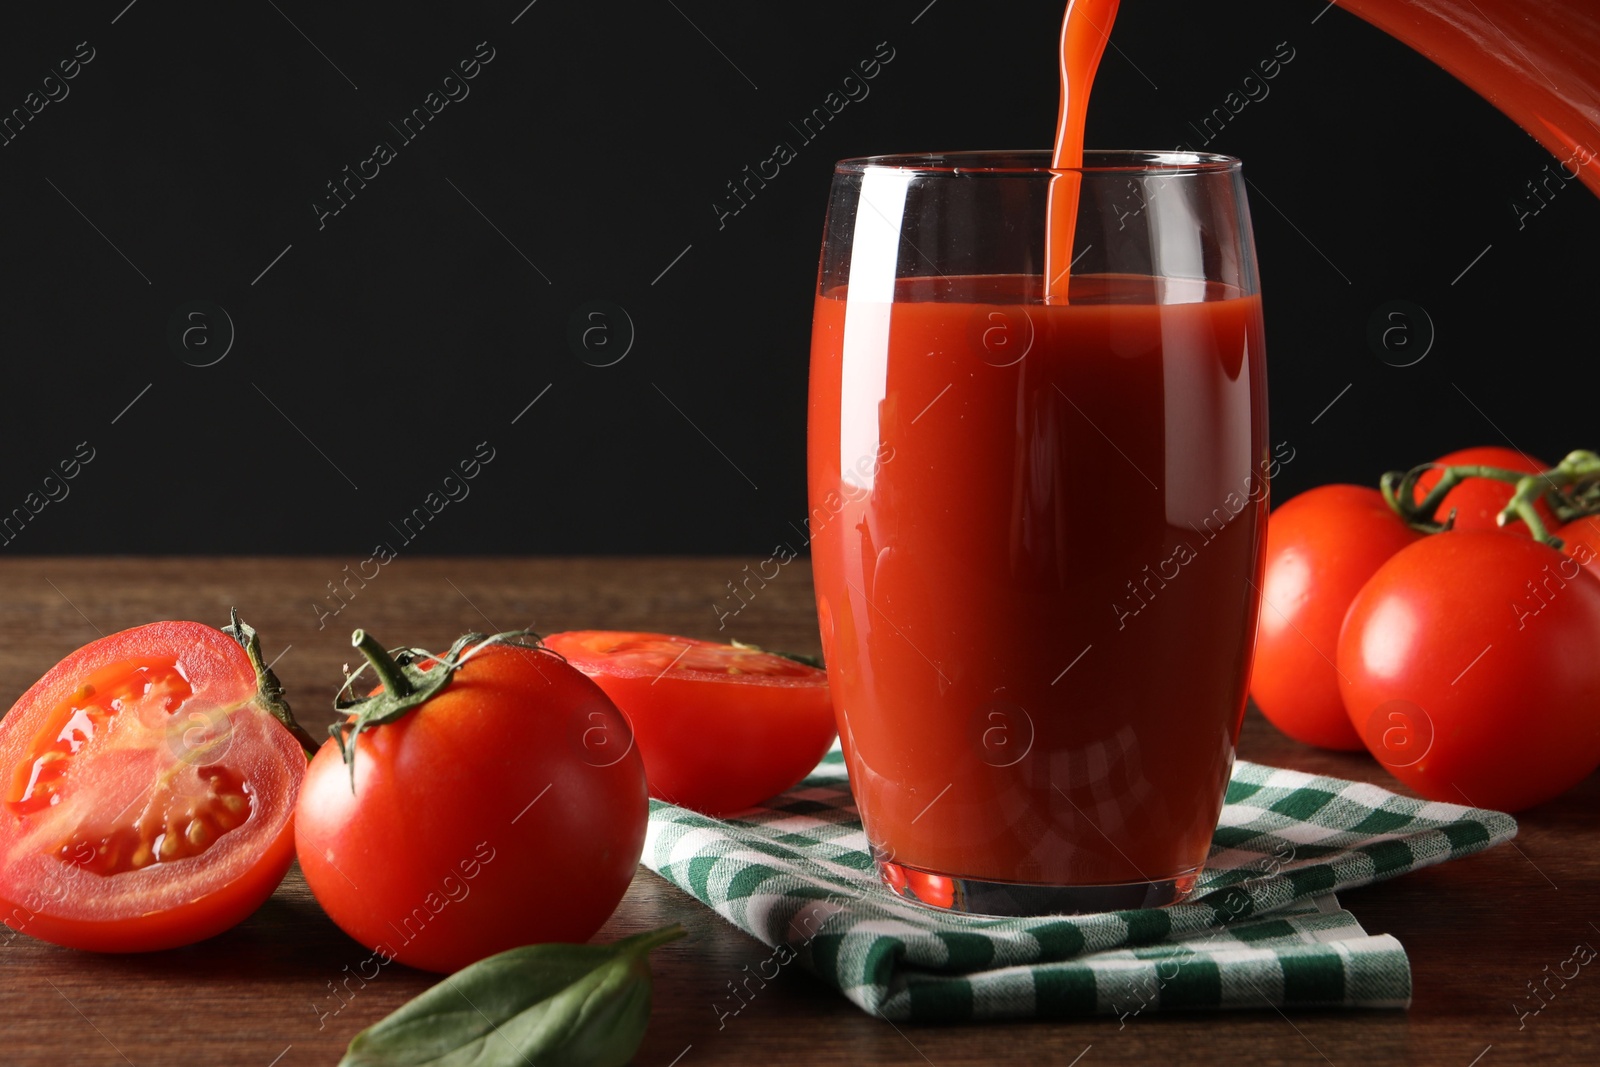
column 548, row 1005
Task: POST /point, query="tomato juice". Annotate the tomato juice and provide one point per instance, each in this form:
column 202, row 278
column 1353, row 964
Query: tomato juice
column 1037, row 598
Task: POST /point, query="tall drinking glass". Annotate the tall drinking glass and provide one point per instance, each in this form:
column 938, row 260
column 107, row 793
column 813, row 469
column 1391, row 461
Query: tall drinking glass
column 1037, row 525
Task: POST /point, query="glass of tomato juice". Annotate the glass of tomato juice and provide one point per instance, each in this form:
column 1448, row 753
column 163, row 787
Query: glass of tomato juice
column 1037, row 522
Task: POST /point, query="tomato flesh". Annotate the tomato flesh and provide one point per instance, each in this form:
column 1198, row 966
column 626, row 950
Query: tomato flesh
column 74, row 722
column 149, row 795
column 171, row 825
column 721, row 728
column 654, row 654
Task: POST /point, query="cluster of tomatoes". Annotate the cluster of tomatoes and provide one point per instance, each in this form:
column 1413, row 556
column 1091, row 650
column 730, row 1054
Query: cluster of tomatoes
column 1467, row 660
column 157, row 788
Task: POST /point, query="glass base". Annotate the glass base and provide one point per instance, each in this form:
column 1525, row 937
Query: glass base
column 973, row 896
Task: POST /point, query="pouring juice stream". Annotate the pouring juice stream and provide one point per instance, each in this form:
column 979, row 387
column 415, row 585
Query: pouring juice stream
column 1085, row 30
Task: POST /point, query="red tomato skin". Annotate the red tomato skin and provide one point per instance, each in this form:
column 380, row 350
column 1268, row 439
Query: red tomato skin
column 1477, row 501
column 713, row 743
column 480, row 821
column 1322, row 546
column 201, row 919
column 167, row 905
column 1505, row 683
column 1581, row 541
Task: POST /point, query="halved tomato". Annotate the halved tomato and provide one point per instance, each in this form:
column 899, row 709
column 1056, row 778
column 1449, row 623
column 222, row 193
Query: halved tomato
column 149, row 791
column 720, row 727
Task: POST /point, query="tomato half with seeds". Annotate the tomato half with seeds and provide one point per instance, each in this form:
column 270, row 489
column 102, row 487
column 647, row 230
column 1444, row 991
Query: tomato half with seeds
column 149, row 791
column 721, row 727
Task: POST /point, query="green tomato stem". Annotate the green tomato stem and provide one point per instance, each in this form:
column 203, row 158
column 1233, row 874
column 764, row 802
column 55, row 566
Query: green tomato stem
column 1454, row 476
column 1571, row 489
column 410, row 679
column 269, row 691
column 395, row 683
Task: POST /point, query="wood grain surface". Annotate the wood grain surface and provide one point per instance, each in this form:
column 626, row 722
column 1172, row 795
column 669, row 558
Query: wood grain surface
column 1478, row 930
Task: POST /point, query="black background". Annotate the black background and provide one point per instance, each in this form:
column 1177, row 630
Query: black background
column 380, row 349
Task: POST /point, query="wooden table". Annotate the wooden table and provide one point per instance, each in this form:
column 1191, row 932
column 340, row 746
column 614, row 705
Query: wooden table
column 1478, row 930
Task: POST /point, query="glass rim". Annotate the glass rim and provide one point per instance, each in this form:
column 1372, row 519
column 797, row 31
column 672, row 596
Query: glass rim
column 1036, row 161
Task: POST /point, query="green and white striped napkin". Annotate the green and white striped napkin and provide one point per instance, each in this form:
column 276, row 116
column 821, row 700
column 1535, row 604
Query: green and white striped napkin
column 1263, row 928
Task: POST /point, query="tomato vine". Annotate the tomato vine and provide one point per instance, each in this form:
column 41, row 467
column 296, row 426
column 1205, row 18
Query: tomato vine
column 1571, row 489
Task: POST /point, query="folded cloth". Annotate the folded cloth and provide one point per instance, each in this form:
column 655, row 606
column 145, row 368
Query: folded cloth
column 1262, row 929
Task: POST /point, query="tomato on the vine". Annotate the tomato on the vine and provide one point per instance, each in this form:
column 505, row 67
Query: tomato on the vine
column 150, row 782
column 1478, row 501
column 1322, row 546
column 1468, row 665
column 493, row 797
column 721, row 727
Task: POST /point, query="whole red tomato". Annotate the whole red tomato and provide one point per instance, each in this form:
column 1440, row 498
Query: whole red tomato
column 1477, row 501
column 149, row 791
column 1468, row 664
column 505, row 808
column 1322, row 546
column 720, row 727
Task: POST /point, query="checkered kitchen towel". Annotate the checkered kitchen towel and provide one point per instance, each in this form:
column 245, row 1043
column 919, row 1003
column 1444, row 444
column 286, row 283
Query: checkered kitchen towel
column 1262, row 929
